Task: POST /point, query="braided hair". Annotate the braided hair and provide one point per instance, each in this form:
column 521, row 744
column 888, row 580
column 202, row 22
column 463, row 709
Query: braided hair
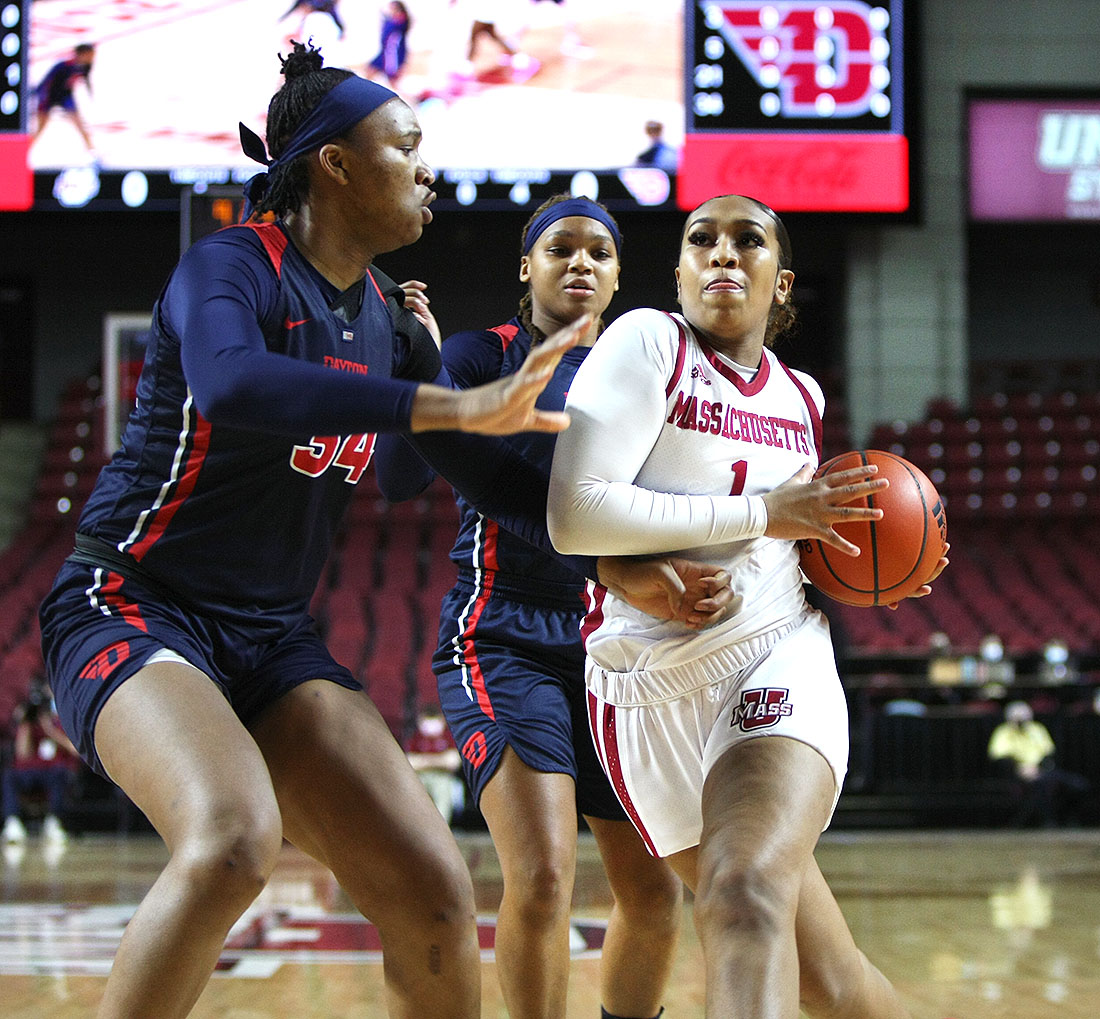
column 307, row 82
column 526, row 308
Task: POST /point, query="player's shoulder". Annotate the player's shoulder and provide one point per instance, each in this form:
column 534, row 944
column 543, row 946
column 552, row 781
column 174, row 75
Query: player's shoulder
column 479, row 355
column 497, row 338
column 241, row 244
column 653, row 334
column 805, row 379
column 646, row 320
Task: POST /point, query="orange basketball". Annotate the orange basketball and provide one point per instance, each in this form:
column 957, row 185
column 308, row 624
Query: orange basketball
column 898, row 553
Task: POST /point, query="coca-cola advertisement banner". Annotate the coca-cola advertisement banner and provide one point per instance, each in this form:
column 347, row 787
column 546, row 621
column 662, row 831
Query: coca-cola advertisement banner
column 1034, row 159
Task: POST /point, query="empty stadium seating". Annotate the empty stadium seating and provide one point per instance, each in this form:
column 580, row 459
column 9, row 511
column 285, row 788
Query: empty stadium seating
column 1017, row 470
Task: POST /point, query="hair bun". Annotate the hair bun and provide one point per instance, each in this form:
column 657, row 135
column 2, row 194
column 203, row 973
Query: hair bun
column 302, row 60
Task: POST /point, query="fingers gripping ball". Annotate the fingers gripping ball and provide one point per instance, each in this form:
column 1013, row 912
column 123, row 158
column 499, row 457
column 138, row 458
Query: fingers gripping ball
column 898, row 553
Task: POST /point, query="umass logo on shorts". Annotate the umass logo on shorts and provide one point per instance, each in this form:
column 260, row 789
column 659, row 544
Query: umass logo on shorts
column 760, row 708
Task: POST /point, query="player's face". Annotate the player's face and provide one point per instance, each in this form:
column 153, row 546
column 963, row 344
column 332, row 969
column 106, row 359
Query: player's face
column 390, row 183
column 729, row 278
column 573, row 268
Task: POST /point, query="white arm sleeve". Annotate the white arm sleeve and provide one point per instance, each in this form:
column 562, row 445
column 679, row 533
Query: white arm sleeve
column 617, row 408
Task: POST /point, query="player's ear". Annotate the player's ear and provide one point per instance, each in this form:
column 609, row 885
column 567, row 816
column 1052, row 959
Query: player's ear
column 677, row 284
column 783, row 284
column 331, row 158
column 524, row 269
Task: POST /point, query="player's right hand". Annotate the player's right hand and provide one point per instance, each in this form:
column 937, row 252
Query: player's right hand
column 508, row 405
column 808, row 507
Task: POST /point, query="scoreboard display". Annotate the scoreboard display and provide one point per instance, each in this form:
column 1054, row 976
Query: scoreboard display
column 798, row 103
column 16, row 180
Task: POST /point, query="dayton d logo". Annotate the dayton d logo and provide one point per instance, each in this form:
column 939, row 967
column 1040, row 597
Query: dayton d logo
column 822, row 59
column 761, row 708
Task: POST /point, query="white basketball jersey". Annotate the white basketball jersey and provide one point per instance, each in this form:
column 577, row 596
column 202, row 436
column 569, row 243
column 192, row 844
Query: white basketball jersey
column 726, row 431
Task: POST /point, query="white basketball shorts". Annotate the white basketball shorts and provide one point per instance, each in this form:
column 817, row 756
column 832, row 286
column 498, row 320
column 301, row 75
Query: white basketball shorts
column 658, row 753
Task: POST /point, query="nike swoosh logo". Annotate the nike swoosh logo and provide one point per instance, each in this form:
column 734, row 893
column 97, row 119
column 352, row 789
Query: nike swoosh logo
column 290, row 323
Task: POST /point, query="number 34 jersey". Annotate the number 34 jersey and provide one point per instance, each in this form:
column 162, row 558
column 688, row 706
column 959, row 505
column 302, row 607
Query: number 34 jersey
column 235, row 511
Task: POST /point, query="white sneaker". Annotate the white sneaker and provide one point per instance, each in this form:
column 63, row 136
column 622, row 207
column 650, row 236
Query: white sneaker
column 52, row 830
column 14, row 830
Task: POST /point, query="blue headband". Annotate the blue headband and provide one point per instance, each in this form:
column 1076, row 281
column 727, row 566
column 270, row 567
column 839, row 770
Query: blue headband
column 570, row 207
column 339, row 109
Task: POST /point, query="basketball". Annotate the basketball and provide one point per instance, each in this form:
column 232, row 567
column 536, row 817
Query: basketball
column 898, row 553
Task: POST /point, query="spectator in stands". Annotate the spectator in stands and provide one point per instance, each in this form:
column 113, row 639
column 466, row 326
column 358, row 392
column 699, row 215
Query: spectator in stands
column 43, row 759
column 658, row 153
column 1026, row 747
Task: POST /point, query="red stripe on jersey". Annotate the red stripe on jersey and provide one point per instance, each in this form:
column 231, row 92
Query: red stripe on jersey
column 274, row 242
column 184, row 487
column 815, row 418
column 469, row 648
column 607, row 743
column 723, row 369
column 489, row 544
column 128, row 610
column 376, row 289
column 507, row 334
column 594, row 595
column 681, row 357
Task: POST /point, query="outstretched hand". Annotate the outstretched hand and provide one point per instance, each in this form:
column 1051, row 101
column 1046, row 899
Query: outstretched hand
column 669, row 587
column 508, row 405
column 805, row 507
column 502, row 407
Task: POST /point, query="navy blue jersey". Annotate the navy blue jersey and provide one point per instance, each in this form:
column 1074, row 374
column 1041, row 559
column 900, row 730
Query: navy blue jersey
column 261, row 389
column 56, row 88
column 522, row 571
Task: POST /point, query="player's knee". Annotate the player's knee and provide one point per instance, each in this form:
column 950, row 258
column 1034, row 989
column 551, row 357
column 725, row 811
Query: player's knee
column 543, row 887
column 445, row 893
column 652, row 900
column 745, row 898
column 233, row 856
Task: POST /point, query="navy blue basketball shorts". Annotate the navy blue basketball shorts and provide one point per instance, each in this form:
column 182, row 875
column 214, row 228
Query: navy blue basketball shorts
column 512, row 674
column 99, row 629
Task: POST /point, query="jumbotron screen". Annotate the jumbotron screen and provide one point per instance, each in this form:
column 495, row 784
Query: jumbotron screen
column 800, row 103
column 639, row 103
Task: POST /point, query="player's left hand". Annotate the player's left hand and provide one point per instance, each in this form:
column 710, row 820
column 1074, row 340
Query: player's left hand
column 416, row 300
column 926, row 589
column 669, row 587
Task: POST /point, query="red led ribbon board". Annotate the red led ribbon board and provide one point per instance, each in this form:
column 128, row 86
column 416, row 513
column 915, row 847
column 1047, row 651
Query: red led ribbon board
column 800, row 103
column 798, row 172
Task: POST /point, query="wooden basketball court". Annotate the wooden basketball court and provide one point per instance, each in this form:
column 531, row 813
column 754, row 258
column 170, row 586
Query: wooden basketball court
column 968, row 926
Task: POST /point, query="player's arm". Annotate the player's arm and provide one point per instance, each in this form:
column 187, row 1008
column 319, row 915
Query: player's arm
column 215, row 302
column 617, row 407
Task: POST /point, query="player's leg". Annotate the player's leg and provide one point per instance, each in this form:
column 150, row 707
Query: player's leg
column 838, row 981
column 170, row 739
column 350, row 798
column 82, row 129
column 644, row 926
column 532, row 817
column 41, row 115
column 765, row 801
